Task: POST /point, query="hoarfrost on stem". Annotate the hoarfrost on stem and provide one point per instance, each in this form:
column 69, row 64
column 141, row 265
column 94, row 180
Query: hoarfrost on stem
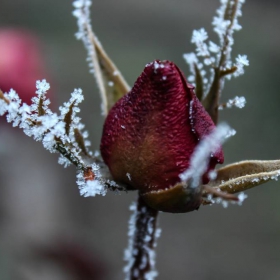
column 217, row 55
column 237, row 101
column 225, row 203
column 142, row 232
column 91, row 187
column 86, row 35
column 58, row 133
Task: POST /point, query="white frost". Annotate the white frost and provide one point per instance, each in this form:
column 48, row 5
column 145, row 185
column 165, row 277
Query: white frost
column 91, row 187
column 211, row 52
column 237, row 101
column 201, row 155
column 131, row 252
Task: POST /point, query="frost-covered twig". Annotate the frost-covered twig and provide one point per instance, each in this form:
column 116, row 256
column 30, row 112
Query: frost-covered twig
column 216, row 56
column 143, row 233
column 109, row 79
column 60, row 133
column 237, row 101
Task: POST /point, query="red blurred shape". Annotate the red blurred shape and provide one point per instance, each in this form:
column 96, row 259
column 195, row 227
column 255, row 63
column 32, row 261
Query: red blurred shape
column 21, row 62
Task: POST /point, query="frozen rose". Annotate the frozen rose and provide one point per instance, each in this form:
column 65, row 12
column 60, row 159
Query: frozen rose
column 150, row 135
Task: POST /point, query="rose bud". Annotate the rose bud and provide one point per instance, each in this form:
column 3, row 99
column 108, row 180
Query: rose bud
column 150, row 135
column 21, row 62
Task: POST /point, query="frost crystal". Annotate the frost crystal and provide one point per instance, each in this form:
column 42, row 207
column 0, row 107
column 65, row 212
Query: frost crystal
column 42, row 87
column 93, row 186
column 217, row 56
column 90, row 188
column 218, row 200
column 200, row 157
column 199, row 36
column 241, row 61
column 238, row 102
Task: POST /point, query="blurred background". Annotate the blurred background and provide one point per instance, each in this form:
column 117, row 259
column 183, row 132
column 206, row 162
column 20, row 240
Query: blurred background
column 47, row 231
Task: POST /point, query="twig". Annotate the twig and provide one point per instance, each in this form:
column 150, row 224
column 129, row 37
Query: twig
column 211, row 102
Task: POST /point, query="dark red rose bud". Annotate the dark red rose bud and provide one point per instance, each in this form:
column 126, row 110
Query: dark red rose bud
column 150, row 134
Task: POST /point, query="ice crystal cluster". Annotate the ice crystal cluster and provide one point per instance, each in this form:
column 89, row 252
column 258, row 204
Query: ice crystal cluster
column 217, row 56
column 218, row 200
column 61, row 133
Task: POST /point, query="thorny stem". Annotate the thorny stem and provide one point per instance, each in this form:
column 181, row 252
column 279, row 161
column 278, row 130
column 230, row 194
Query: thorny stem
column 144, row 242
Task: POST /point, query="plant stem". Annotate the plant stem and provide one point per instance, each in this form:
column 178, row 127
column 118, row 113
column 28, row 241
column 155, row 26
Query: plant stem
column 143, row 233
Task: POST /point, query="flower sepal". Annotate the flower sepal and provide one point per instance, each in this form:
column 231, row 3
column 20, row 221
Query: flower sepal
column 177, row 199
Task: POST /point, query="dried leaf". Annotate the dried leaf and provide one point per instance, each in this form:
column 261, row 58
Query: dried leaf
column 109, row 79
column 244, row 175
column 68, row 119
column 228, row 71
column 80, row 140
